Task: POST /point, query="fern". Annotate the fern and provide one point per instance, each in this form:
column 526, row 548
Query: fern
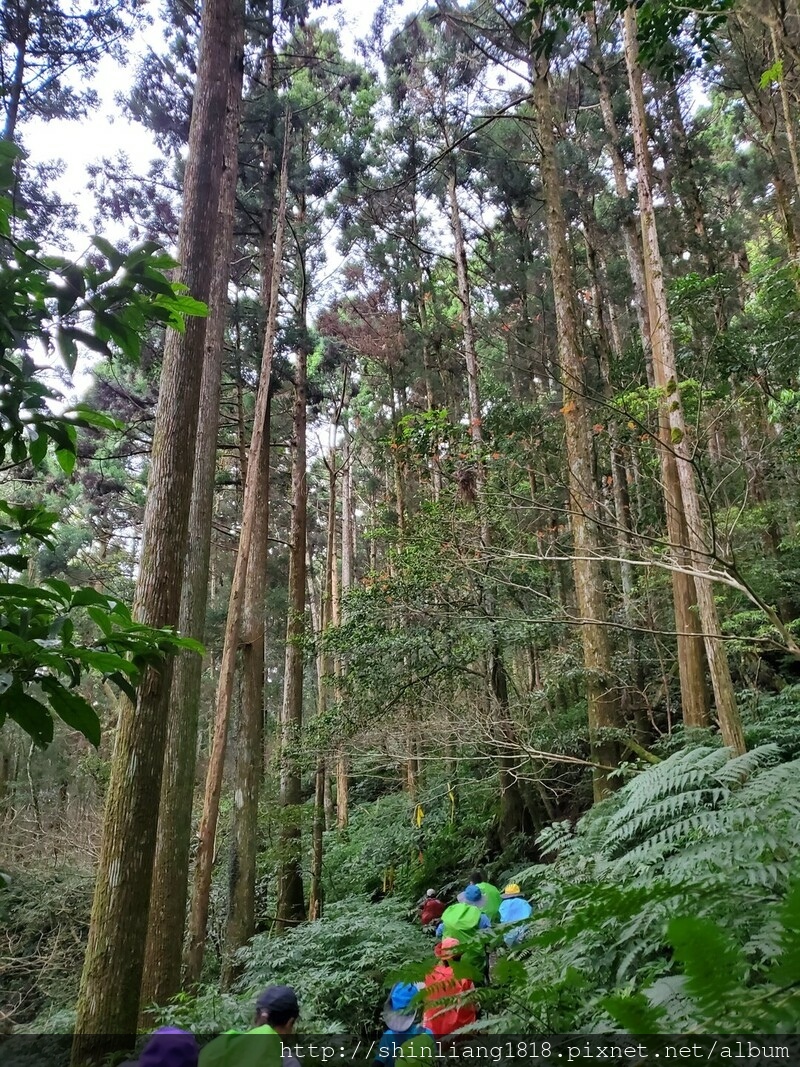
column 674, row 902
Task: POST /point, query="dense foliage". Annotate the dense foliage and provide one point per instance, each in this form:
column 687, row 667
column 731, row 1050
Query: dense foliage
column 492, row 541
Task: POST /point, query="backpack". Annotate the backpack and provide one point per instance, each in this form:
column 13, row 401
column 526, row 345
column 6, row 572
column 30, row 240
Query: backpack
column 461, row 922
column 398, row 1047
column 493, row 899
column 515, row 910
column 259, row 1047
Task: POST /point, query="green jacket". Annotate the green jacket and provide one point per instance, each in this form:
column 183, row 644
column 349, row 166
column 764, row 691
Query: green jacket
column 237, row 1048
column 494, row 899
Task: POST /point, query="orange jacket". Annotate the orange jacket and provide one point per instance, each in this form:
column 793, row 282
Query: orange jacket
column 442, row 984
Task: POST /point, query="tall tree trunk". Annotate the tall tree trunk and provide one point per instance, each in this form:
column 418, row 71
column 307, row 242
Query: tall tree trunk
column 348, row 561
column 208, row 823
column 317, row 829
column 666, row 374
column 322, row 619
column 497, row 679
column 162, row 971
column 633, row 249
column 786, row 109
column 249, row 740
column 291, row 901
column 602, row 697
column 250, row 728
column 108, row 1002
column 470, row 348
column 607, row 342
column 14, row 91
column 691, row 664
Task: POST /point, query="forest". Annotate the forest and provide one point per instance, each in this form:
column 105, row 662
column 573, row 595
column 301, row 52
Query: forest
column 397, row 482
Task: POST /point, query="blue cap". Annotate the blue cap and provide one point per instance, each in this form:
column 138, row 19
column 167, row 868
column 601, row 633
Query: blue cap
column 472, row 893
column 402, row 994
column 278, row 998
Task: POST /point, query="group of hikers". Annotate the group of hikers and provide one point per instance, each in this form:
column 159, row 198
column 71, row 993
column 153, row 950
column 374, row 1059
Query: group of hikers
column 415, row 1014
column 463, row 962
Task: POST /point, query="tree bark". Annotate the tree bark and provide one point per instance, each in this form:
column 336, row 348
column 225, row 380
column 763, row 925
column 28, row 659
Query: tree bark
column 348, row 562
column 291, row 901
column 249, row 741
column 208, row 823
column 667, row 379
column 602, row 697
column 162, row 972
column 315, row 900
column 18, row 77
column 108, row 1002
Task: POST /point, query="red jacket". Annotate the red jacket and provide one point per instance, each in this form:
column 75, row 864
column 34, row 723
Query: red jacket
column 432, row 911
column 443, row 1019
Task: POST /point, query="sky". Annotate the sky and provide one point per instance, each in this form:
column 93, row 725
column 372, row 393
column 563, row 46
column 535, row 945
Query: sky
column 105, row 132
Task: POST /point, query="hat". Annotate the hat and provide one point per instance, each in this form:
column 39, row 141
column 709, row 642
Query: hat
column 170, row 1047
column 430, row 892
column 396, row 1012
column 472, row 895
column 445, row 949
column 511, row 890
column 278, row 998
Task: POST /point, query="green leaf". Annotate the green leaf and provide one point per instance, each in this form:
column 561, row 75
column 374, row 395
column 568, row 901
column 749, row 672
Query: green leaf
column 105, row 662
column 101, row 619
column 772, row 75
column 787, row 970
column 114, row 257
column 713, row 963
column 121, row 682
column 635, row 1014
column 30, row 714
column 189, row 644
column 14, row 560
column 37, row 449
column 91, row 417
column 88, row 339
column 18, row 450
column 67, row 348
column 86, row 595
column 184, row 305
column 73, row 709
column 62, row 588
column 66, row 459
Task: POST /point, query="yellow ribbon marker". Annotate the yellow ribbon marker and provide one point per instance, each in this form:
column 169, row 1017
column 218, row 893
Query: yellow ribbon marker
column 419, row 815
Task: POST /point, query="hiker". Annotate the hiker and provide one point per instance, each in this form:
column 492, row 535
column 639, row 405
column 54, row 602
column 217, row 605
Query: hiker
column 277, row 1011
column 473, row 897
column 432, row 909
column 404, row 1038
column 444, row 989
column 513, row 909
column 464, row 922
column 490, row 893
column 168, row 1047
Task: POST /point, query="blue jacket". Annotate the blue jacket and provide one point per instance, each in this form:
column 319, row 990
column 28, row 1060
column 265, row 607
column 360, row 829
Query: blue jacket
column 514, row 910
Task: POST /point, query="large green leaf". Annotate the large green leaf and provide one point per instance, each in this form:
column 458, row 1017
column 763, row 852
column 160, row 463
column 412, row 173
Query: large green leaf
column 73, row 709
column 30, row 714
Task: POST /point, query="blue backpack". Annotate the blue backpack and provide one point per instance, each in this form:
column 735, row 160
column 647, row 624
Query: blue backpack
column 406, row 1046
column 514, row 910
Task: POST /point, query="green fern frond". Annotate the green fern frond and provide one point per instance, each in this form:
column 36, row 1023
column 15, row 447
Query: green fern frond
column 739, row 769
column 714, row 965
